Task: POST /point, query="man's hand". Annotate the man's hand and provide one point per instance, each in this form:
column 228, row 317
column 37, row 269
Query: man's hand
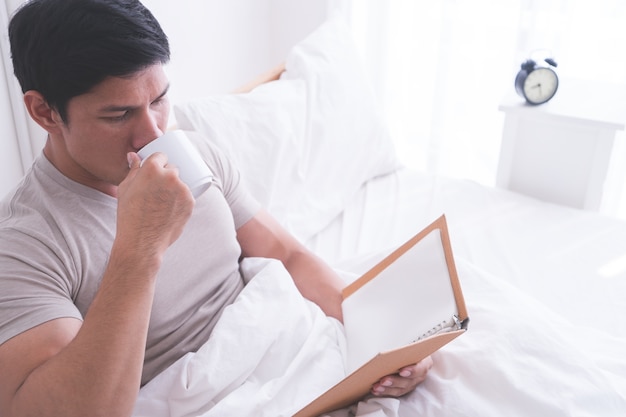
column 405, row 381
column 153, row 204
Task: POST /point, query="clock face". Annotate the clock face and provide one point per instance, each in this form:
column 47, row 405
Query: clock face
column 540, row 85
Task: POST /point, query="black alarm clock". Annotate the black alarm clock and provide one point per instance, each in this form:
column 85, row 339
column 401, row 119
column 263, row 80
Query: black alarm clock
column 537, row 82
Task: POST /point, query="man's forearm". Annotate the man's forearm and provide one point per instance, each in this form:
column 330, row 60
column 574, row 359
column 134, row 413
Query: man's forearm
column 317, row 282
column 99, row 371
column 264, row 236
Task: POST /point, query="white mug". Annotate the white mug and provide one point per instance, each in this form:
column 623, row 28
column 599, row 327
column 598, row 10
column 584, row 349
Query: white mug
column 181, row 153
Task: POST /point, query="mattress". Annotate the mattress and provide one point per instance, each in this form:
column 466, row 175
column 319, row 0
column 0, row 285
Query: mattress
column 573, row 261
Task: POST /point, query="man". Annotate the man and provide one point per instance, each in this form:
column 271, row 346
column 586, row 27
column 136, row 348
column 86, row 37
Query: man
column 110, row 270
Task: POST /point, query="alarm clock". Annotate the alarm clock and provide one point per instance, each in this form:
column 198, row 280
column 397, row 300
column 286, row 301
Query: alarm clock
column 537, row 83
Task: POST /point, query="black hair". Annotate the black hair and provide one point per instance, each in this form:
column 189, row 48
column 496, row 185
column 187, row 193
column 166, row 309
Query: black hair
column 63, row 48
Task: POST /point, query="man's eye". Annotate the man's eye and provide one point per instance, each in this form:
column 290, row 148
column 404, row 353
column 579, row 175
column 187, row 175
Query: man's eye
column 119, row 118
column 160, row 101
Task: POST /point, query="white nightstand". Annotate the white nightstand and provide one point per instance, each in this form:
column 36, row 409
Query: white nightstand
column 560, row 151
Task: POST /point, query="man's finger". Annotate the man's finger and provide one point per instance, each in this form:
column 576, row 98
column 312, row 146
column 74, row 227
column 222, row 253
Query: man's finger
column 134, row 161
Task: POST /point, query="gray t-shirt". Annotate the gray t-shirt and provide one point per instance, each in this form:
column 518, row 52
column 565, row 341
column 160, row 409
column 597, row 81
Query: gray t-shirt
column 55, row 240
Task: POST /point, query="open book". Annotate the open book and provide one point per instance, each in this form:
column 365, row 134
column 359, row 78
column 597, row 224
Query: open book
column 403, row 309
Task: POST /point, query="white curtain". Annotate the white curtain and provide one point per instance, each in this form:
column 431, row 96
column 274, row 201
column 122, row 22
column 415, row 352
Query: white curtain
column 22, row 139
column 442, row 67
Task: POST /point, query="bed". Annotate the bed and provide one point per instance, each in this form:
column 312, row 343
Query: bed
column 544, row 284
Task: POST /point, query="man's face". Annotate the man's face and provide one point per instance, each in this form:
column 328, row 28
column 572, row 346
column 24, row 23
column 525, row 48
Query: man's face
column 117, row 116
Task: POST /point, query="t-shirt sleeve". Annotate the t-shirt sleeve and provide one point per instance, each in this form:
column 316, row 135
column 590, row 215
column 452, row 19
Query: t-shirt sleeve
column 228, row 178
column 33, row 289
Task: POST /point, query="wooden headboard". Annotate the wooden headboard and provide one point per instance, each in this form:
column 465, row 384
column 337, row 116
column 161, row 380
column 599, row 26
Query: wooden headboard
column 271, row 75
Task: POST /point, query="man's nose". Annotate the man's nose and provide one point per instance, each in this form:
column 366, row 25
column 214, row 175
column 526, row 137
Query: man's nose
column 147, row 130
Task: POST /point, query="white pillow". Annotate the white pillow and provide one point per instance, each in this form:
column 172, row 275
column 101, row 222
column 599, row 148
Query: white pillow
column 347, row 141
column 306, row 143
column 262, row 132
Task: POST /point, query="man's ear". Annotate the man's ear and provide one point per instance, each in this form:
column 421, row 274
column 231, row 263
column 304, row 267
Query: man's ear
column 41, row 112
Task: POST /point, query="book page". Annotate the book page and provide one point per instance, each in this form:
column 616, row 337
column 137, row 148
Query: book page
column 405, row 301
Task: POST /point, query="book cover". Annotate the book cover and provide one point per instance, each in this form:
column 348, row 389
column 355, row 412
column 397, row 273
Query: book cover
column 403, row 309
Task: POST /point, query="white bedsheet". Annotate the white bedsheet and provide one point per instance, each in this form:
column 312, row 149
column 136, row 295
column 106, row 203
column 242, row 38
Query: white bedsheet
column 565, row 264
column 272, row 352
column 544, row 287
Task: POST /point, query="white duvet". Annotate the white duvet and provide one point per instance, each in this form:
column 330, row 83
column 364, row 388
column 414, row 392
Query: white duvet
column 273, row 352
column 269, row 354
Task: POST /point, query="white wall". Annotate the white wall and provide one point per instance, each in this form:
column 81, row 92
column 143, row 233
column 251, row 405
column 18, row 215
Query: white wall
column 217, row 46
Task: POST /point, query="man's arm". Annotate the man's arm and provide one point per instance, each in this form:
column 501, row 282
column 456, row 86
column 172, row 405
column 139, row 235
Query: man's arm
column 65, row 368
column 263, row 236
